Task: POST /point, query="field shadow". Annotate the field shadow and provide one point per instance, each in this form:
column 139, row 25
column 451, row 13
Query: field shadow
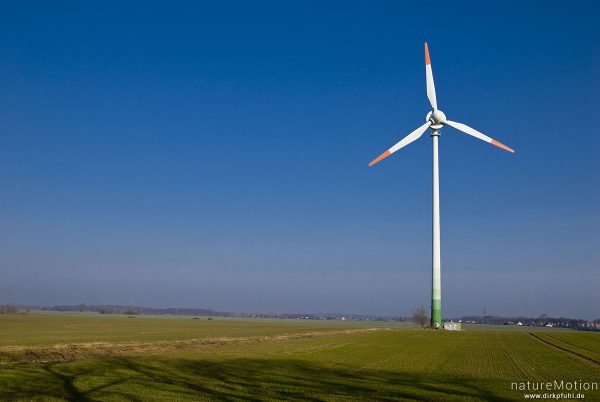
column 227, row 380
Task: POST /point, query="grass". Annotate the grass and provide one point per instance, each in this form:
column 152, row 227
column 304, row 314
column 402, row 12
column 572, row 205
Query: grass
column 175, row 358
column 67, row 328
column 584, row 345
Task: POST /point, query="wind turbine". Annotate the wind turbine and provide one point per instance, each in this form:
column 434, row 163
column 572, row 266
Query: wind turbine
column 435, row 120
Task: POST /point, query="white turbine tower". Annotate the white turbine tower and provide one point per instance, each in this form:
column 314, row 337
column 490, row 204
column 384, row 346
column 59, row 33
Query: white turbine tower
column 435, row 120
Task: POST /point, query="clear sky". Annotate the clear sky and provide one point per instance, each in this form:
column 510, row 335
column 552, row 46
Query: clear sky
column 214, row 154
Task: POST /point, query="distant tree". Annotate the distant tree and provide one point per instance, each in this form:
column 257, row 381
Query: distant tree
column 106, row 310
column 82, row 307
column 8, row 309
column 420, row 316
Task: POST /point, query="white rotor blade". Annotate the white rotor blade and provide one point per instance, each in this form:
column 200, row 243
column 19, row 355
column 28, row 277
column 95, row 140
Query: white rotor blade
column 403, row 142
column 429, row 78
column 471, row 131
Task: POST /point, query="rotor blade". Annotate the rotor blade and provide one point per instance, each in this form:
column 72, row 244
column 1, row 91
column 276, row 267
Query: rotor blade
column 471, row 131
column 429, row 78
column 403, row 142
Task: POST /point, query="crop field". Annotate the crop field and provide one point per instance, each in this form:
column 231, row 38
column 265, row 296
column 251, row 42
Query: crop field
column 90, row 357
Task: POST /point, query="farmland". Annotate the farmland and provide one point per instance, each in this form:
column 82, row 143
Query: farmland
column 93, row 357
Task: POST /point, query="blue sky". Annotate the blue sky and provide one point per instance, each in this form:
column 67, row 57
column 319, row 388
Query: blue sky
column 214, row 154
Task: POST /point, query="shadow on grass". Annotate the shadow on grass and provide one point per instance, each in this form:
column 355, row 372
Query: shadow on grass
column 226, row 380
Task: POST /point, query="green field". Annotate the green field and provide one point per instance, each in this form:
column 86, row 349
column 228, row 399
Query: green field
column 92, row 357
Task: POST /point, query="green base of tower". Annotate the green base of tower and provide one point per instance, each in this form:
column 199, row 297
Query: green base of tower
column 436, row 314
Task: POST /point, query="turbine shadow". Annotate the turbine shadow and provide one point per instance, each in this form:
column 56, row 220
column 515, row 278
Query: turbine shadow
column 164, row 378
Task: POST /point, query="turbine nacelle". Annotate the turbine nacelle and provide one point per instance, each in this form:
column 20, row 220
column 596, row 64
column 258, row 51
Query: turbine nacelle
column 437, row 118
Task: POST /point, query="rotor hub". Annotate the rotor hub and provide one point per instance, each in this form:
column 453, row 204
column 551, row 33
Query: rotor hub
column 437, row 119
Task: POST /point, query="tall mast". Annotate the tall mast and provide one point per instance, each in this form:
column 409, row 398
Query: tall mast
column 436, row 281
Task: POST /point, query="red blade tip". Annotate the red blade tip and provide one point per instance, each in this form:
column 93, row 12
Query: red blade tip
column 380, row 157
column 501, row 145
